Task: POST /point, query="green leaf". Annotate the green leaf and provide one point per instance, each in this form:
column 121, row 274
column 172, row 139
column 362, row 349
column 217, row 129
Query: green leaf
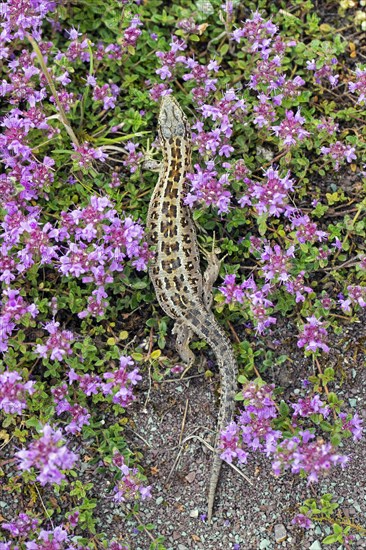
column 284, row 409
column 338, row 530
column 239, row 397
column 331, row 539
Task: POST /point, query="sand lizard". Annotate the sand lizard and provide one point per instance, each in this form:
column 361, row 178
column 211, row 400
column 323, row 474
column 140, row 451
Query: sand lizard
column 183, row 293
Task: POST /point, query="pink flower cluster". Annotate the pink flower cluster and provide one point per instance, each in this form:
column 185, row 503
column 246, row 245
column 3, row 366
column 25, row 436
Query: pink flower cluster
column 276, row 263
column 48, row 455
column 59, row 538
column 206, row 184
column 324, row 70
column 313, row 336
column 356, row 297
column 107, row 93
column 21, row 16
column 23, row 526
column 13, row 392
column 13, row 310
column 57, row 346
column 301, row 454
column 207, row 187
column 95, row 244
column 257, row 298
column 291, row 130
column 359, row 86
column 134, row 157
column 254, row 430
column 85, row 154
column 306, row 231
column 119, row 384
column 194, row 71
column 339, row 152
column 129, row 487
column 269, row 196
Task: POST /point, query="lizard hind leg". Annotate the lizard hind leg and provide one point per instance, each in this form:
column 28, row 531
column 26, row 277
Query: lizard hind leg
column 211, row 273
column 183, row 337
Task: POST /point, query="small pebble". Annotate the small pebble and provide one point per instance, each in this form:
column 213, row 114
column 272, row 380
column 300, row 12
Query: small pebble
column 315, row 546
column 191, row 477
column 280, row 532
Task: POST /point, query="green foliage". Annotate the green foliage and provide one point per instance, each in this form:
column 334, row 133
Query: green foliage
column 324, row 511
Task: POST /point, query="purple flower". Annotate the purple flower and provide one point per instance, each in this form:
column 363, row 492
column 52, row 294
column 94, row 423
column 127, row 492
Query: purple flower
column 329, row 126
column 256, row 31
column 55, row 537
column 164, row 72
column 207, row 187
column 57, row 345
column 310, row 405
column 353, row 424
column 297, row 287
column 300, row 454
column 80, row 418
column 85, row 154
column 229, row 439
column 134, row 158
column 13, row 392
column 306, row 230
column 325, row 71
column 253, row 425
column 123, row 381
column 132, row 33
column 356, row 297
column 27, row 15
column 22, row 526
column 91, row 80
column 170, row 59
column 339, row 152
column 313, row 335
column 177, row 369
column 90, row 384
column 96, row 245
column 129, row 487
column 159, row 90
column 80, row 415
column 13, row 309
column 359, row 86
column 302, row 521
column 290, row 130
column 48, row 455
column 265, row 113
column 269, row 196
column 257, row 299
column 107, row 94
column 231, row 290
column 276, row 263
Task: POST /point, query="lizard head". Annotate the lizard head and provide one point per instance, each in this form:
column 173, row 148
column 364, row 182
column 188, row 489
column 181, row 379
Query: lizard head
column 172, row 121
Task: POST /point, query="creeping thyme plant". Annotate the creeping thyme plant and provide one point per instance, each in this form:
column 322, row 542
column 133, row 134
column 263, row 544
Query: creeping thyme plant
column 277, row 116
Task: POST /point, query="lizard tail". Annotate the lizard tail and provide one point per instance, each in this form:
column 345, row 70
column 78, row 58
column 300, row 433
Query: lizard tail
column 205, row 326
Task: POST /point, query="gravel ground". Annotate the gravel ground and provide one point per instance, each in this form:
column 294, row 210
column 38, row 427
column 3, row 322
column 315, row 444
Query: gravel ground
column 255, row 515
